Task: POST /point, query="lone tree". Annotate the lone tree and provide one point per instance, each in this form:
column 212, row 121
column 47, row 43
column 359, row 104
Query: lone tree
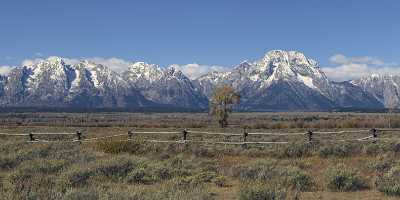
column 221, row 103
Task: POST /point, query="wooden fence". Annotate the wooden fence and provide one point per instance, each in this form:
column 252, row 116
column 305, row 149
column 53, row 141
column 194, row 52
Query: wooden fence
column 242, row 138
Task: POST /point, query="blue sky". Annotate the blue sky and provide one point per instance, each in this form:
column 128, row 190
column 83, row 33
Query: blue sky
column 207, row 32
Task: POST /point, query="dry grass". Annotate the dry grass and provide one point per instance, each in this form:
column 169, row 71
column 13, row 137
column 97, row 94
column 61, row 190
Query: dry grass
column 114, row 169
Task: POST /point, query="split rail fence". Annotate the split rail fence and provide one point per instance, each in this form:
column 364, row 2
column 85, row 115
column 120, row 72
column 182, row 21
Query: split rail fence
column 242, row 138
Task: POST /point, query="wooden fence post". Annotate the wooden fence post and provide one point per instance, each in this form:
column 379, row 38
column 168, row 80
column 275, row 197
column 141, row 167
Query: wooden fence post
column 245, row 134
column 79, row 135
column 184, row 134
column 130, row 134
column 374, row 133
column 310, row 135
column 31, row 138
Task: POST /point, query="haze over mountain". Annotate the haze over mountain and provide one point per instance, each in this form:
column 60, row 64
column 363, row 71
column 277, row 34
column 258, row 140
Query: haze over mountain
column 280, row 80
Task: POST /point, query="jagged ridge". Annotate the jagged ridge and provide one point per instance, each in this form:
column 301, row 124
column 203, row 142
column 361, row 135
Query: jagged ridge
column 281, row 80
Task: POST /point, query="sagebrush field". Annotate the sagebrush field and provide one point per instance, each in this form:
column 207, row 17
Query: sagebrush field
column 331, row 167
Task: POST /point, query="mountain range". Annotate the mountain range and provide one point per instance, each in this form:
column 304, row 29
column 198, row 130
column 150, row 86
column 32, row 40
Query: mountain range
column 280, row 81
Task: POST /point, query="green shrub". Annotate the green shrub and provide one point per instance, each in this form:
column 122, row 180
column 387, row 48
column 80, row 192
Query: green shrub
column 78, row 175
column 260, row 170
column 82, row 194
column 116, row 167
column 382, row 163
column 261, row 193
column 161, row 171
column 395, row 147
column 204, row 177
column 139, row 176
column 31, row 186
column 177, row 191
column 297, row 150
column 41, row 166
column 389, row 182
column 8, row 162
column 376, row 148
column 197, row 179
column 338, row 150
column 201, row 151
column 32, row 174
column 220, row 181
column 342, row 178
column 116, row 147
column 296, row 179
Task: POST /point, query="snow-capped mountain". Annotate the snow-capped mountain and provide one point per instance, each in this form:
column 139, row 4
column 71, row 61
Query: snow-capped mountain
column 280, row 80
column 164, row 86
column 385, row 88
column 284, row 80
column 274, row 67
column 3, row 80
column 54, row 83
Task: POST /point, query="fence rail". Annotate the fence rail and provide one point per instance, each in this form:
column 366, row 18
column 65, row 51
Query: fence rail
column 309, row 136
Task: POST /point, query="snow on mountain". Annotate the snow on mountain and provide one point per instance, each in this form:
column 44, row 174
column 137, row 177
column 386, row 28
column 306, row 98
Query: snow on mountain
column 53, row 83
column 274, row 66
column 279, row 80
column 142, row 74
column 101, row 86
column 385, row 88
column 3, row 80
column 164, row 86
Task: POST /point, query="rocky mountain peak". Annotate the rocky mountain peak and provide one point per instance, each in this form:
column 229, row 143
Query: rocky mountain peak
column 280, row 80
column 55, row 60
column 142, row 71
column 175, row 73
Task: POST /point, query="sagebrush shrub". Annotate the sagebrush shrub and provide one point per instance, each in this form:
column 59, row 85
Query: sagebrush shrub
column 297, row 150
column 116, row 167
column 389, row 182
column 81, row 194
column 296, row 179
column 343, row 178
column 78, row 175
column 382, row 163
column 220, row 181
column 139, row 176
column 261, row 193
column 260, row 170
column 339, row 150
column 8, row 162
column 117, row 147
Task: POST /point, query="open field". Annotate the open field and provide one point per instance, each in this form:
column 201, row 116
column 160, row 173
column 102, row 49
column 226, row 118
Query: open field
column 333, row 166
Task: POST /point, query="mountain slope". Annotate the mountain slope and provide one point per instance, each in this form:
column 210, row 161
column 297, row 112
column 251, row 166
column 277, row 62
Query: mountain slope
column 385, row 88
column 279, row 81
column 348, row 95
column 286, row 81
column 53, row 83
column 165, row 86
column 3, row 80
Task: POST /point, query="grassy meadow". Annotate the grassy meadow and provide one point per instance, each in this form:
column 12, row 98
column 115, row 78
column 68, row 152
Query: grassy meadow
column 115, row 168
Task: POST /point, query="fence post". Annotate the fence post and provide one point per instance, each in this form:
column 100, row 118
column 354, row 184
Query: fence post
column 31, row 137
column 184, row 134
column 79, row 135
column 130, row 134
column 374, row 133
column 310, row 135
column 245, row 134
